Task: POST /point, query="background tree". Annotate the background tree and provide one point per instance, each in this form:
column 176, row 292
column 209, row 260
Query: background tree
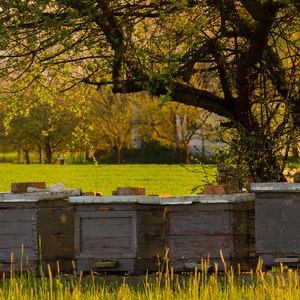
column 166, row 47
column 23, row 135
column 40, row 117
column 191, row 124
column 112, row 116
column 174, row 125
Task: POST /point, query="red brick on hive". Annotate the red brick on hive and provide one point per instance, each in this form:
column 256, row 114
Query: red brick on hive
column 21, row 187
column 130, row 191
column 214, row 189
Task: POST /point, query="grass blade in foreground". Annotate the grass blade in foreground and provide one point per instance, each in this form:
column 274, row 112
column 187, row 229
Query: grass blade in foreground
column 283, row 284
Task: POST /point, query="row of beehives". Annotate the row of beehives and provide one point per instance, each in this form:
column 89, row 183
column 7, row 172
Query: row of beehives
column 136, row 234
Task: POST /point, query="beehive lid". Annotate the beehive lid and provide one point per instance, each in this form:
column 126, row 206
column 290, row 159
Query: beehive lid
column 224, row 198
column 37, row 196
column 276, row 187
column 174, row 200
column 103, row 199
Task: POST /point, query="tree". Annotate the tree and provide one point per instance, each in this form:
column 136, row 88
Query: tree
column 173, row 124
column 40, row 117
column 191, row 123
column 23, row 135
column 55, row 127
column 111, row 116
column 243, row 50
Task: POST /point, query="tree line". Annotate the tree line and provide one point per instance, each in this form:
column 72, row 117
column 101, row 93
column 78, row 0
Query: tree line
column 100, row 123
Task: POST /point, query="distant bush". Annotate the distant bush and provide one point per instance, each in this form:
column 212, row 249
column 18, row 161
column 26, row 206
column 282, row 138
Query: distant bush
column 149, row 154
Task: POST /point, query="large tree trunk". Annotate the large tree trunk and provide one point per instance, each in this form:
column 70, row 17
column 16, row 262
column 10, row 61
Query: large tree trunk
column 118, row 155
column 27, row 157
column 48, row 153
column 20, row 156
column 41, row 156
column 187, row 154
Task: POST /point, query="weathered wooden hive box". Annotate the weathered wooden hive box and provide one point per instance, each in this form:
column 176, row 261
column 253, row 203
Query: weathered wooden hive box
column 133, row 233
column 55, row 228
column 18, row 233
column 36, row 228
column 116, row 233
column 209, row 228
column 277, row 222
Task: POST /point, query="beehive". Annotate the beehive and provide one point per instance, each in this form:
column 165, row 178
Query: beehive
column 133, row 233
column 277, row 211
column 117, row 234
column 36, row 229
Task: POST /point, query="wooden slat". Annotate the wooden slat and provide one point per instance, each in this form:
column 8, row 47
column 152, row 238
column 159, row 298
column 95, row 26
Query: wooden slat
column 106, row 227
column 147, row 265
column 109, row 248
column 151, row 236
column 199, row 246
column 29, row 265
column 200, row 207
column 17, row 228
column 27, row 253
column 196, row 223
column 15, row 215
column 15, row 241
column 93, row 208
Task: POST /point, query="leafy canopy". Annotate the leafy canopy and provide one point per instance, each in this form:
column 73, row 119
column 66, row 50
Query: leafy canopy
column 238, row 59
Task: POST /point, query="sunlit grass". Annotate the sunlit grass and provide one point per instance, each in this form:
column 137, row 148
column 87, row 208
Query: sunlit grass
column 156, row 179
column 200, row 284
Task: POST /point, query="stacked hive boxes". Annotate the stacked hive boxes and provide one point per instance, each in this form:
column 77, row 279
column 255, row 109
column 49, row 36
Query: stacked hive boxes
column 134, row 233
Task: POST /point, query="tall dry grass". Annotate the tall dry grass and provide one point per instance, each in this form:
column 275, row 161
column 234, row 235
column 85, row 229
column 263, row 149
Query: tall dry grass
column 281, row 283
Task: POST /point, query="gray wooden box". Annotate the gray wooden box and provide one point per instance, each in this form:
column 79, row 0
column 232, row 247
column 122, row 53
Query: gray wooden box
column 277, row 222
column 210, row 228
column 117, row 234
column 133, row 233
column 36, row 229
column 18, row 236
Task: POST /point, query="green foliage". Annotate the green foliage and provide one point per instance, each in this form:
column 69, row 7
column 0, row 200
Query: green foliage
column 173, row 125
column 206, row 171
column 232, row 169
column 104, row 125
column 149, row 154
column 235, row 59
column 36, row 116
column 110, row 116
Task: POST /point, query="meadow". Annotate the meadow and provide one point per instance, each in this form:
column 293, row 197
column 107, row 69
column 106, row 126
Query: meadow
column 175, row 180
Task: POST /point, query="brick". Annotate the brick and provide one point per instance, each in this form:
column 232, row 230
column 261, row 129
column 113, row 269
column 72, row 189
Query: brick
column 21, row 187
column 130, row 191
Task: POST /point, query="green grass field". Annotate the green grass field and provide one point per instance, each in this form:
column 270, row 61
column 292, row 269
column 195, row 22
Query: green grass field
column 176, row 180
